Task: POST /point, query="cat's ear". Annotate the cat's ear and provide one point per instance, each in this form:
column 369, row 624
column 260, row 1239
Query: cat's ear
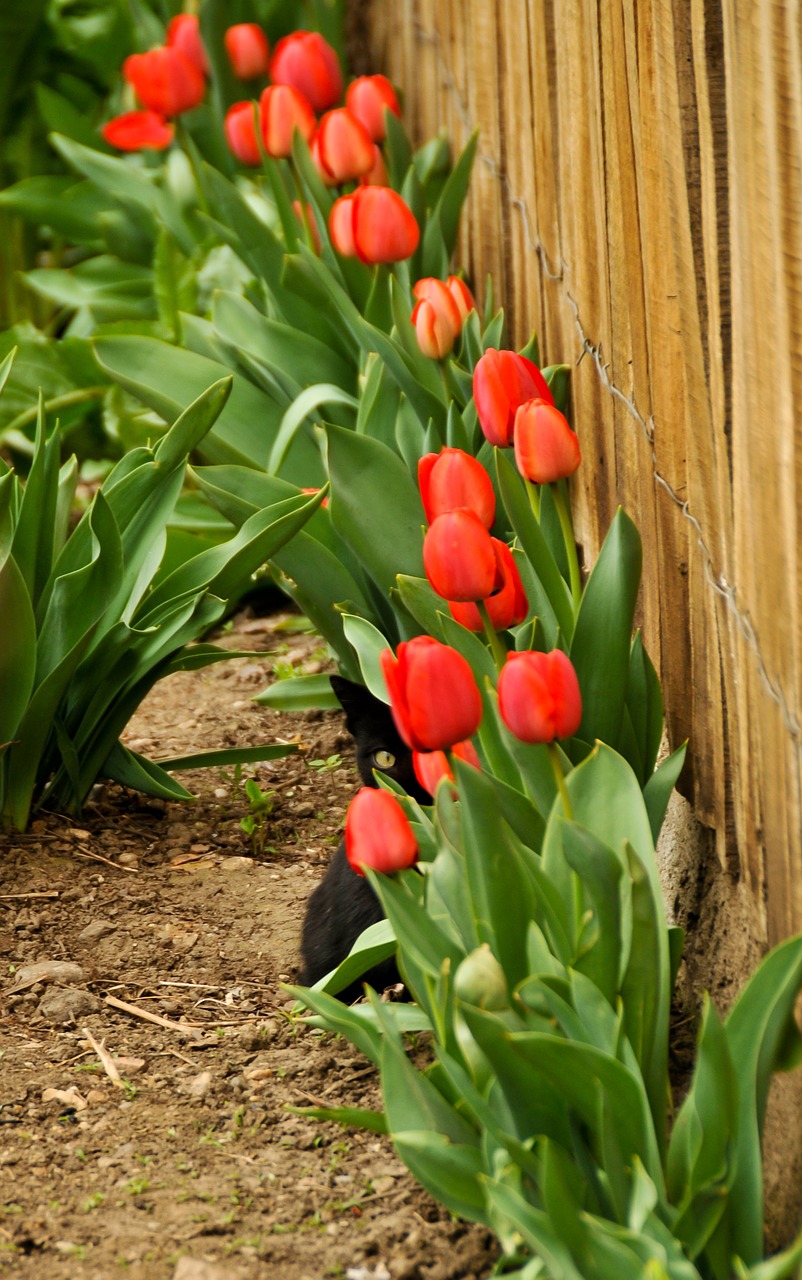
column 355, row 699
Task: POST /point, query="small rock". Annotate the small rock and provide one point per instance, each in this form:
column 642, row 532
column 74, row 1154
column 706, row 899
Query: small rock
column 128, row 859
column 200, row 1269
column 200, row 1085
column 220, row 793
column 66, row 1004
column 184, row 942
column 78, row 834
column 380, row 1185
column 47, row 971
column 95, row 930
column 236, row 863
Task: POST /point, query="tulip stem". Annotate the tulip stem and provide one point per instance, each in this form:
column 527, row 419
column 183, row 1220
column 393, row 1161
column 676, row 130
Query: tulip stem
column 557, row 767
column 184, row 139
column 496, row 647
column 533, row 491
column 564, row 512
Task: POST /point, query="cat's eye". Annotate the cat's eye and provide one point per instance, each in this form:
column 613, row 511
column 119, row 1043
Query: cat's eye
column 383, row 759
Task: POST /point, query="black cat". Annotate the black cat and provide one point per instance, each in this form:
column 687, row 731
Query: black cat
column 343, row 904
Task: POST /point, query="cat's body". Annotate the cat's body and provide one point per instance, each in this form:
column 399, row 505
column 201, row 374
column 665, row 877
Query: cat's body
column 343, row 904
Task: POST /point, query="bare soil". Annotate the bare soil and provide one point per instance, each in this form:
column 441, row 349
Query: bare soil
column 191, row 1167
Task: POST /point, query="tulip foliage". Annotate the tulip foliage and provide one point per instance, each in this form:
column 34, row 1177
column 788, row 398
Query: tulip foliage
column 269, row 249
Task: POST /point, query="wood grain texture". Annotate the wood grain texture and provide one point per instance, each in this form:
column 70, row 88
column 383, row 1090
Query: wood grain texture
column 638, row 201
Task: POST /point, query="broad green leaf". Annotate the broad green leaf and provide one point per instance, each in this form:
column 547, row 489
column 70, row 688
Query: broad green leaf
column 299, row 693
column 536, row 1229
column 658, row 789
column 342, row 1020
column 374, row 944
column 17, row 648
column 428, row 944
column 303, row 408
column 449, row 1171
column 229, row 755
column 601, row 641
column 603, row 875
column 369, row 644
column 134, row 770
column 353, row 1117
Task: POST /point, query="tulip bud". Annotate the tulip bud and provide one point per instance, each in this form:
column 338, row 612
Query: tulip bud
column 376, row 175
column 503, row 380
column 481, row 981
column 434, row 698
column 507, row 606
column 432, row 766
column 462, row 296
column 458, row 556
column 282, row 110
column 240, row 131
column 538, row 696
column 453, row 478
column 369, row 97
column 248, row 50
column 307, row 62
column 378, row 834
column 341, row 226
column 164, row 80
column 138, row 131
column 436, row 318
column 384, row 227
column 183, row 33
column 546, row 449
column 344, row 146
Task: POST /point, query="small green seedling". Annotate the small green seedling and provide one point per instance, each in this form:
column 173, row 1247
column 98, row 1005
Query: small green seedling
column 260, row 804
column 330, row 763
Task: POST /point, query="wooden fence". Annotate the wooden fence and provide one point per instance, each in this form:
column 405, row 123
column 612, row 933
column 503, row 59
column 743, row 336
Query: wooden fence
column 637, row 198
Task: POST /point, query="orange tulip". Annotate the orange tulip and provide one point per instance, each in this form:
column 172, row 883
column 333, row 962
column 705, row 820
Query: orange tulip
column 183, row 33
column 378, row 834
column 282, row 110
column 453, row 478
column 138, row 131
column 546, row 449
column 248, row 50
column 458, row 556
column 240, row 131
column 436, row 318
column 507, row 606
column 431, row 766
column 344, row 147
column 307, row 62
column 503, row 380
column 538, row 696
column 434, row 698
column 384, row 227
column 369, row 97
column 165, row 80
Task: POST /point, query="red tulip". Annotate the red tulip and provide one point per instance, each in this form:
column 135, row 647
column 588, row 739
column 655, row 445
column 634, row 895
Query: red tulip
column 183, row 33
column 282, row 110
column 306, row 218
column 378, row 834
column 436, row 318
column 307, row 62
column 376, row 176
column 240, row 130
column 502, row 381
column 369, row 97
column 165, row 80
column 538, row 696
column 507, row 606
column 546, row 449
column 431, row 766
column 247, row 49
column 453, row 478
column 344, row 147
column 138, row 130
column 433, row 694
column 462, row 296
column 384, row 227
column 341, row 226
column 458, row 556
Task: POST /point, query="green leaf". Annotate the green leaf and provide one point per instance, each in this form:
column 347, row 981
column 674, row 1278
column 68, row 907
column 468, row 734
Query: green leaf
column 300, row 411
column 601, row 641
column 657, row 791
column 375, row 943
column 229, row 755
column 376, row 506
column 644, row 703
column 428, row 944
column 134, row 770
column 299, row 693
column 449, row 1171
column 536, row 1228
column 17, row 647
column 369, row 644
column 603, row 875
column 353, row 1117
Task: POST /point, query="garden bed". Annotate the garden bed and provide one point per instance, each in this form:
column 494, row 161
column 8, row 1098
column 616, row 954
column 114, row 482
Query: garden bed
column 167, row 907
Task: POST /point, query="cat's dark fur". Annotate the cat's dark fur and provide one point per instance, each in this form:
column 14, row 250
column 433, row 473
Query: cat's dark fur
column 343, row 904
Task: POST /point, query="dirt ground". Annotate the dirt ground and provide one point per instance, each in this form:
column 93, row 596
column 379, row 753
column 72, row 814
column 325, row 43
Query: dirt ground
column 192, row 1167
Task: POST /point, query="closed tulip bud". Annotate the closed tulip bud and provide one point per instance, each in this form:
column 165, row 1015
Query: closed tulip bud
column 240, row 131
column 282, row 110
column 369, row 97
column 344, row 146
column 458, row 556
column 183, row 32
column 378, row 834
column 453, row 478
column 314, row 151
column 480, row 981
column 546, row 449
column 138, row 131
column 384, row 227
column 307, row 62
column 341, row 226
column 503, row 380
column 462, row 296
column 165, row 81
column 248, row 50
column 436, row 318
column 507, row 606
column 434, row 698
column 538, row 696
column 431, row 766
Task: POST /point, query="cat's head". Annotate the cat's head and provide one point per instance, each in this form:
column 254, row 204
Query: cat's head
column 378, row 743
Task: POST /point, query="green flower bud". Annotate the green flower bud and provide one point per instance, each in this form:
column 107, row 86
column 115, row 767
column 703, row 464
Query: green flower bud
column 480, row 980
